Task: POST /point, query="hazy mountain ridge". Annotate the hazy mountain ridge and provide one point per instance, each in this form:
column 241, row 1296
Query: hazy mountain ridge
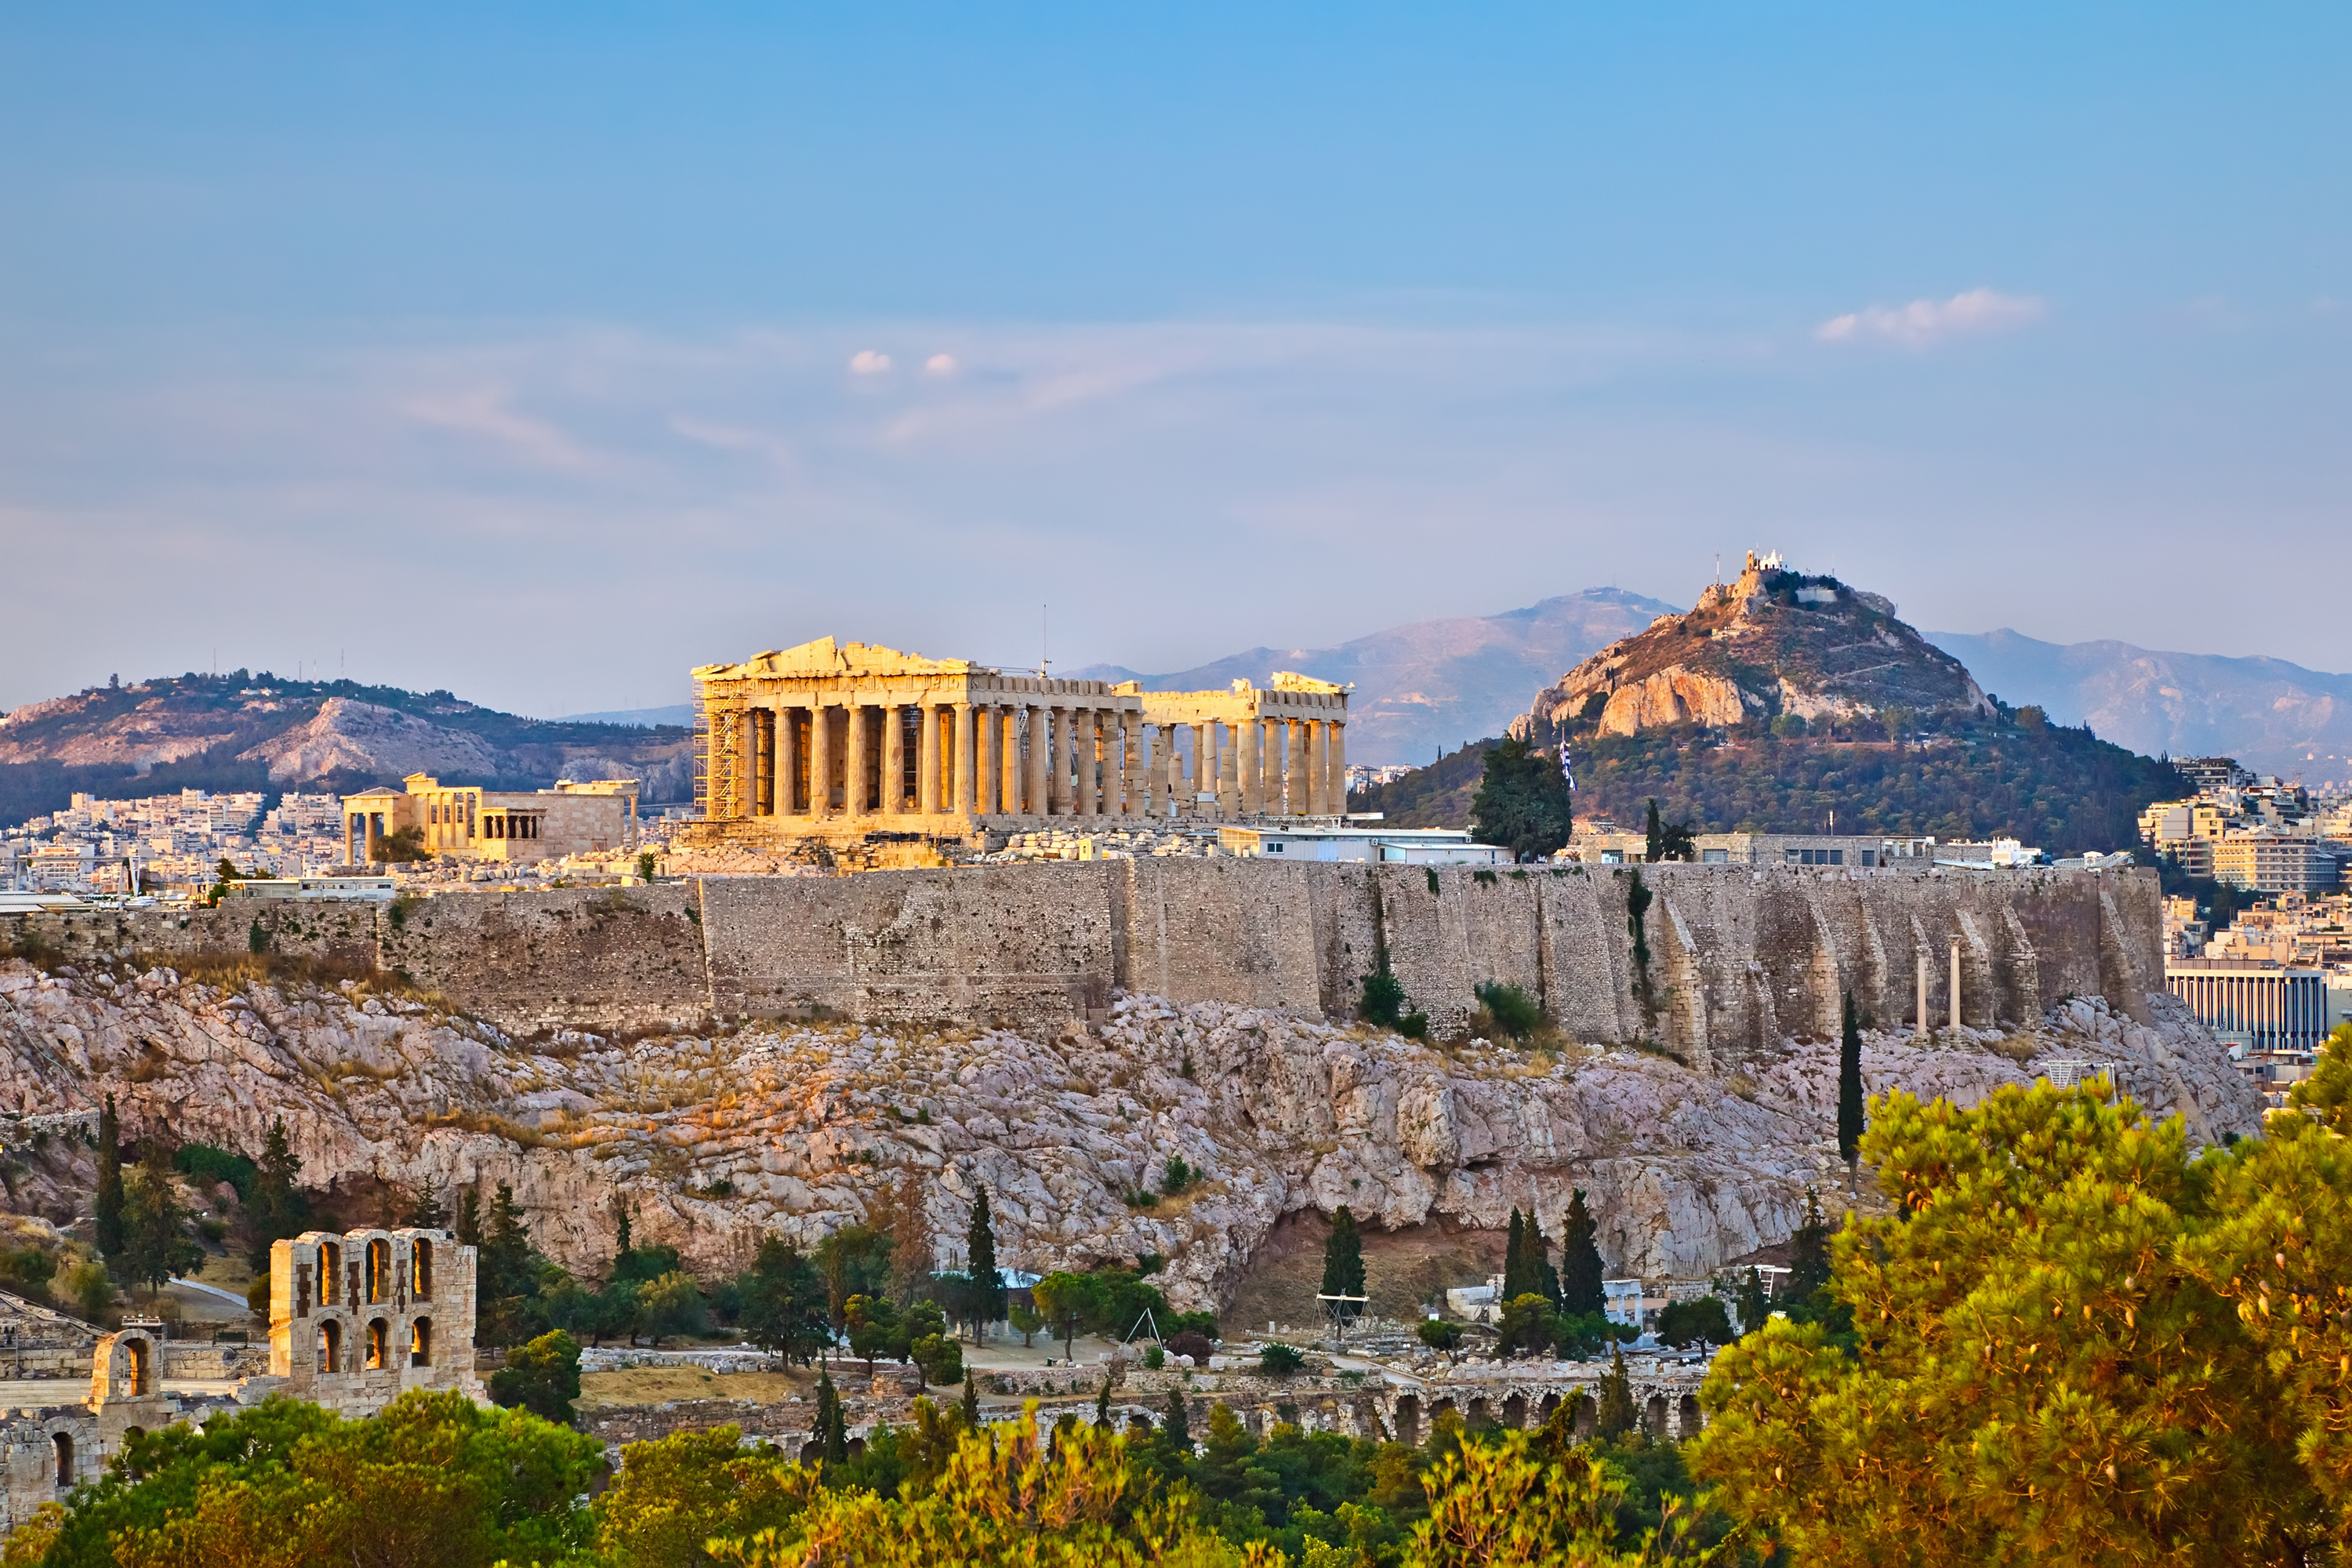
column 241, row 731
column 2273, row 716
column 1429, row 686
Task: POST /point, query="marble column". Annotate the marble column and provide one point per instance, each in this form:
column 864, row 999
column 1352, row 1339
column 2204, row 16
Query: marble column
column 1084, row 790
column 985, row 774
column 966, row 790
column 787, row 760
column 1058, row 774
column 1318, row 770
column 1039, row 802
column 854, row 801
column 1956, row 983
column 925, row 758
column 894, row 761
column 1008, row 755
column 1295, row 800
column 821, row 760
column 1229, row 774
column 1248, row 742
column 1339, row 763
column 1130, row 744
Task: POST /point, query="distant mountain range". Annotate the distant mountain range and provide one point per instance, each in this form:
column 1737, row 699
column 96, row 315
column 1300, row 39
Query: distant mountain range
column 2273, row 716
column 1426, row 688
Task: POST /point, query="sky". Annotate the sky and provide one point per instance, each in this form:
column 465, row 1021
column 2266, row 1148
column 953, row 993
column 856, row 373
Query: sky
column 543, row 354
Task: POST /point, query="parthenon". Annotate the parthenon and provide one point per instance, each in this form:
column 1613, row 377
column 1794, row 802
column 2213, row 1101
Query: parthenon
column 830, row 739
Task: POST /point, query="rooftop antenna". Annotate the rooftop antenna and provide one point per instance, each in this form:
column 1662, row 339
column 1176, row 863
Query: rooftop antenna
column 1718, row 568
column 1043, row 664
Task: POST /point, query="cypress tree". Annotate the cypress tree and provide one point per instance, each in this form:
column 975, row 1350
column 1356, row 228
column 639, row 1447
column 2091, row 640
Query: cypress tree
column 277, row 1211
column 469, row 1220
column 1849, row 1126
column 1615, row 1418
column 1657, row 833
column 428, row 1212
column 1178, row 1428
column 1809, row 1251
column 1343, row 1262
column 832, row 1432
column 1516, row 1282
column 111, row 1236
column 987, row 1295
column 971, row 1402
column 1538, row 1265
column 1580, row 1260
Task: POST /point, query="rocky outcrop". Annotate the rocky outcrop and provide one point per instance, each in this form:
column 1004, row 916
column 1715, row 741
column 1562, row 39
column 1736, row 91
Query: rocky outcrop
column 1774, row 642
column 347, row 736
column 797, row 1130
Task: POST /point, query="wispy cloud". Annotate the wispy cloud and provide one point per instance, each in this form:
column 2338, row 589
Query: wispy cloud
column 867, row 362
column 1924, row 323
column 489, row 412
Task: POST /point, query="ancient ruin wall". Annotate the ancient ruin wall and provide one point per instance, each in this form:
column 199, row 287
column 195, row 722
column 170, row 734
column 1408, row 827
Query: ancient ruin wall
column 1739, row 957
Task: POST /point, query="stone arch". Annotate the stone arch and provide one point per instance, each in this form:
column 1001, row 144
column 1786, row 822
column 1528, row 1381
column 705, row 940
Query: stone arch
column 1587, row 1419
column 856, row 1447
column 1481, row 1413
column 1515, row 1410
column 379, row 1344
column 140, row 1358
column 1544, row 1411
column 1687, row 1419
column 378, row 1281
column 330, row 1273
column 420, row 1342
column 420, row 1267
column 1653, row 1416
column 133, row 1433
column 811, row 1451
column 331, row 1344
column 1407, row 1422
column 64, row 1444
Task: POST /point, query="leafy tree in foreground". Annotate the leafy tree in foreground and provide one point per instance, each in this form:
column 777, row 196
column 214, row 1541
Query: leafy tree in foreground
column 1523, row 803
column 677, row 1492
column 2079, row 1346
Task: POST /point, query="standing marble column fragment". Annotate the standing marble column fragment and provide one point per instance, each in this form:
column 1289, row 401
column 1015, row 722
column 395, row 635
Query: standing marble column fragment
column 1295, row 802
column 1008, row 751
column 821, row 760
column 1086, row 741
column 1041, row 762
column 893, row 793
column 965, row 787
column 1339, row 763
column 1229, row 775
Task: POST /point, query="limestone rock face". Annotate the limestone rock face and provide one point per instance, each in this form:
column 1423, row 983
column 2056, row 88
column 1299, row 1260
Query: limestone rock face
column 361, row 737
column 1773, row 642
column 798, row 1130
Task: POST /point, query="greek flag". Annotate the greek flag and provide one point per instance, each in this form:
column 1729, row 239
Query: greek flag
column 1567, row 767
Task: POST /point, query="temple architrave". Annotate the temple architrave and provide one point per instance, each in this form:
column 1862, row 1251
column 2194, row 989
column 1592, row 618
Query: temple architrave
column 835, row 741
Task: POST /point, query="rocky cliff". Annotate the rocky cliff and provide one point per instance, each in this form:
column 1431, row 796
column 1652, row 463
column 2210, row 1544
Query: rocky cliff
column 1774, row 642
column 718, row 1138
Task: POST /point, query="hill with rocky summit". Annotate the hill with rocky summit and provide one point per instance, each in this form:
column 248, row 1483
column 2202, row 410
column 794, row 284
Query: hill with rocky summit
column 718, row 1139
column 241, row 731
column 1776, row 642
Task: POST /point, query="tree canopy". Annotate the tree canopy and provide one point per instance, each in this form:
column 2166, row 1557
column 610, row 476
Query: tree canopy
column 1523, row 803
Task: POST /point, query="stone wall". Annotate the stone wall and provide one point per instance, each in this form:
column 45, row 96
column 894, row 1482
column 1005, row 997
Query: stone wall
column 1739, row 956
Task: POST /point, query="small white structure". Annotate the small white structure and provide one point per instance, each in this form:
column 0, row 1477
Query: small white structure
column 1621, row 1301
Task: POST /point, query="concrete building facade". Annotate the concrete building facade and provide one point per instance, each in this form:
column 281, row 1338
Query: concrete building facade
column 2259, row 1004
column 836, row 740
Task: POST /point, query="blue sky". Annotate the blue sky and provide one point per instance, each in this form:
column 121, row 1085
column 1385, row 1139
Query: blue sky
column 543, row 354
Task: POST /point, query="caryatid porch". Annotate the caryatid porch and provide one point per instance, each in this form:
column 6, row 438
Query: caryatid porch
column 828, row 738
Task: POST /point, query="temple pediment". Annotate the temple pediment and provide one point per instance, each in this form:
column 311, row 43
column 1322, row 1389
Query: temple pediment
column 824, row 656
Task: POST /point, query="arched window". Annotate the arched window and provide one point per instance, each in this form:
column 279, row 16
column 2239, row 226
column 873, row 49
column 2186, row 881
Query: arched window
column 379, row 1270
column 330, row 1273
column 331, row 1346
column 420, row 1268
column 136, row 1352
column 64, row 1441
column 420, row 1342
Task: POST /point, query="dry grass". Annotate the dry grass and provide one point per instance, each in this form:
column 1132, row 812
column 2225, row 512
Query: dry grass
column 653, row 1384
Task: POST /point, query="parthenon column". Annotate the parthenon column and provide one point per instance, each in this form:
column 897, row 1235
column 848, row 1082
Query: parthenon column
column 893, row 793
column 1318, row 769
column 927, row 759
column 1082, row 748
column 1038, row 803
column 1248, row 740
column 852, row 781
column 1058, row 778
column 965, row 790
column 743, row 788
column 821, row 760
column 987, row 772
column 1339, row 762
column 1008, row 756
column 1151, row 743
column 1299, row 800
column 1229, row 774
column 787, row 760
column 1130, row 764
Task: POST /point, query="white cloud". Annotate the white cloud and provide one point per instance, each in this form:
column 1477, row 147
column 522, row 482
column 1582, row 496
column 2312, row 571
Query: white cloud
column 865, row 362
column 940, row 365
column 1925, row 321
column 489, row 412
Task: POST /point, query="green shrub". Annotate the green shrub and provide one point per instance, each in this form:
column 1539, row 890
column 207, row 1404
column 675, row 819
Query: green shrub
column 1515, row 1012
column 1279, row 1361
column 1413, row 1025
column 1384, row 999
column 211, row 1163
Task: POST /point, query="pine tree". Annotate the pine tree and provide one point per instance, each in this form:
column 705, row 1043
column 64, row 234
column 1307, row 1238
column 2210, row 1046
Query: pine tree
column 428, row 1212
column 155, row 1238
column 971, row 1402
column 832, row 1432
column 1753, row 1306
column 470, row 1219
column 1616, row 1417
column 902, row 1216
column 109, row 1182
column 1809, row 1251
column 1849, row 1124
column 1178, row 1428
column 623, row 1245
column 1343, row 1263
column 277, row 1211
column 1580, row 1268
column 1657, row 834
column 987, row 1293
column 1102, row 1403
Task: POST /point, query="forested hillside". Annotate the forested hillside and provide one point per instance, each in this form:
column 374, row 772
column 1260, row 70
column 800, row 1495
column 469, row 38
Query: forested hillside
column 2013, row 776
